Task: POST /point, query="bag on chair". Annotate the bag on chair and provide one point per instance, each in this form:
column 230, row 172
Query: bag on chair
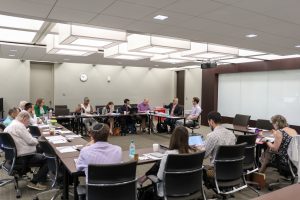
column 161, row 127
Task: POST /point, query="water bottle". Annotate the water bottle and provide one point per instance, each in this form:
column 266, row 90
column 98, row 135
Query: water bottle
column 131, row 149
column 50, row 114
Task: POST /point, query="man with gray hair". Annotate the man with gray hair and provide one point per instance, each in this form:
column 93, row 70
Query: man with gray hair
column 22, row 105
column 26, row 150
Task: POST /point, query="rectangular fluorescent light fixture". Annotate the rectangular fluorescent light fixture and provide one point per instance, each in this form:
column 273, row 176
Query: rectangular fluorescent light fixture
column 156, row 44
column 122, row 50
column 209, row 51
column 268, row 57
column 53, row 47
column 9, row 35
column 129, row 57
column 191, row 67
column 90, row 36
column 240, row 60
column 72, row 53
column 245, row 53
column 161, row 17
column 20, row 23
column 174, row 59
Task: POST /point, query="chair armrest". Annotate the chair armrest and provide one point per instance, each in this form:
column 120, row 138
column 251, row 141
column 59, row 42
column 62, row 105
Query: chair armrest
column 153, row 179
column 27, row 154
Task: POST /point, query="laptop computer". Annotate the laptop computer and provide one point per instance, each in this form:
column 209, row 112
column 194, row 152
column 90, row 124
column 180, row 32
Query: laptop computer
column 195, row 140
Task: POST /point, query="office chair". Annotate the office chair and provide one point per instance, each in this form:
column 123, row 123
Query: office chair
column 241, row 120
column 62, row 111
column 228, row 170
column 53, row 165
column 194, row 125
column 182, row 177
column 60, row 106
column 99, row 109
column 10, row 164
column 264, row 124
column 107, row 182
column 249, row 164
column 34, row 131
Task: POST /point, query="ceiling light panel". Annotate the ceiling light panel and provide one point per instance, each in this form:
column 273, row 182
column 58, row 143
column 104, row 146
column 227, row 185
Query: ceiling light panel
column 171, row 58
column 209, row 51
column 129, row 57
column 156, row 44
column 245, row 53
column 240, row 60
column 53, row 47
column 161, row 17
column 20, row 23
column 89, row 36
column 122, row 50
column 268, row 57
column 9, row 35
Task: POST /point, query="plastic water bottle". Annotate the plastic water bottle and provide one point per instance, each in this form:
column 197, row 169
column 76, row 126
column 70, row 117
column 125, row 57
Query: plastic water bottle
column 131, row 149
column 50, row 114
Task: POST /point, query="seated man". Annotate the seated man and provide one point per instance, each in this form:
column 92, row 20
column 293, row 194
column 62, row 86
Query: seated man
column 26, row 150
column 175, row 110
column 127, row 122
column 12, row 113
column 143, row 108
column 218, row 136
column 196, row 111
column 99, row 151
column 30, row 109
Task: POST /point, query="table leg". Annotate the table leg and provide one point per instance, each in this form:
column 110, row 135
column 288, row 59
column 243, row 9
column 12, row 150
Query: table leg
column 183, row 121
column 150, row 122
column 65, row 184
column 76, row 183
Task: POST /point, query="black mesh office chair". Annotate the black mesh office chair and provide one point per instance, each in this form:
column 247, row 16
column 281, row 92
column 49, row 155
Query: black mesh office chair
column 99, row 109
column 62, row 111
column 241, row 120
column 249, row 164
column 228, row 170
column 194, row 125
column 107, row 182
column 10, row 164
column 60, row 107
column 53, row 165
column 34, row 131
column 182, row 178
column 264, row 124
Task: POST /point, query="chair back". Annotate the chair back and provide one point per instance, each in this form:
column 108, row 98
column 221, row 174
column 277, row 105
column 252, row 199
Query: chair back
column 229, row 162
column 241, row 120
column 264, row 124
column 9, row 148
column 249, row 160
column 60, row 107
column 62, row 111
column 52, row 160
column 99, row 109
column 2, row 127
column 34, row 131
column 118, row 108
column 183, row 174
column 115, row 181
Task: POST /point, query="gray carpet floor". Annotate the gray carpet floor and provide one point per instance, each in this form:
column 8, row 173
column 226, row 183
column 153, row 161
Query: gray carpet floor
column 142, row 140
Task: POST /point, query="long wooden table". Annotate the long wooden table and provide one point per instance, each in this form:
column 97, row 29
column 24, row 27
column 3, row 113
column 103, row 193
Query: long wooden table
column 163, row 115
column 291, row 192
column 243, row 129
column 69, row 166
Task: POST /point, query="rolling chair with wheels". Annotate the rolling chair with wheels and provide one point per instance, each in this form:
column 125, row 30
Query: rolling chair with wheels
column 249, row 164
column 228, row 170
column 10, row 164
column 194, row 125
column 182, row 177
column 107, row 182
column 53, row 165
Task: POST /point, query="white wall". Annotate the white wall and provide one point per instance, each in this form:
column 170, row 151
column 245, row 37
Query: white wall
column 134, row 83
column 193, row 86
column 14, row 82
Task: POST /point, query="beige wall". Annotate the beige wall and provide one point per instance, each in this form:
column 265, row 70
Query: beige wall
column 14, row 82
column 134, row 83
column 193, row 86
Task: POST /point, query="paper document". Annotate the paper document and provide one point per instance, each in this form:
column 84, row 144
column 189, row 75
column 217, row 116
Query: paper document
column 56, row 139
column 66, row 149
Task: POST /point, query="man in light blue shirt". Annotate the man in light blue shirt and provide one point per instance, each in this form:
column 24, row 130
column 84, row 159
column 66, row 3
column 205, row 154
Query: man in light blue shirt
column 99, row 151
column 12, row 113
column 196, row 111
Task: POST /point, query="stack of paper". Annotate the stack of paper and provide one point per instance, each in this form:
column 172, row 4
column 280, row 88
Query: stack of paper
column 56, row 139
column 66, row 149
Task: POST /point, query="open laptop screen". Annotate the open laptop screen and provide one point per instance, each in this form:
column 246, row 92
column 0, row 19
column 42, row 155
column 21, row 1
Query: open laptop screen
column 195, row 140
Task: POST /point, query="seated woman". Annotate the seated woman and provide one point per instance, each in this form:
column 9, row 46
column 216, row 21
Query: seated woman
column 179, row 144
column 109, row 109
column 39, row 108
column 276, row 154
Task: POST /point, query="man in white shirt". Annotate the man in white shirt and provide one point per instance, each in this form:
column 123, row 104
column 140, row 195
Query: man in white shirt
column 196, row 111
column 30, row 109
column 26, row 150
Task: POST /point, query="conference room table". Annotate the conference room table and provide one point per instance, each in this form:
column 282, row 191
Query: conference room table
column 244, row 129
column 68, row 158
column 291, row 192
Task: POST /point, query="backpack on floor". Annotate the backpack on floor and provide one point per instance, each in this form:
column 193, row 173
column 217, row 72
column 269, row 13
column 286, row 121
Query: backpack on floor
column 161, row 127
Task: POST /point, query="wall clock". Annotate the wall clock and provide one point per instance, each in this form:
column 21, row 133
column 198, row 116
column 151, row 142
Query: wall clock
column 83, row 77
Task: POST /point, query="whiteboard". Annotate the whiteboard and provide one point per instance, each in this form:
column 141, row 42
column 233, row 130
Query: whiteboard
column 261, row 94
